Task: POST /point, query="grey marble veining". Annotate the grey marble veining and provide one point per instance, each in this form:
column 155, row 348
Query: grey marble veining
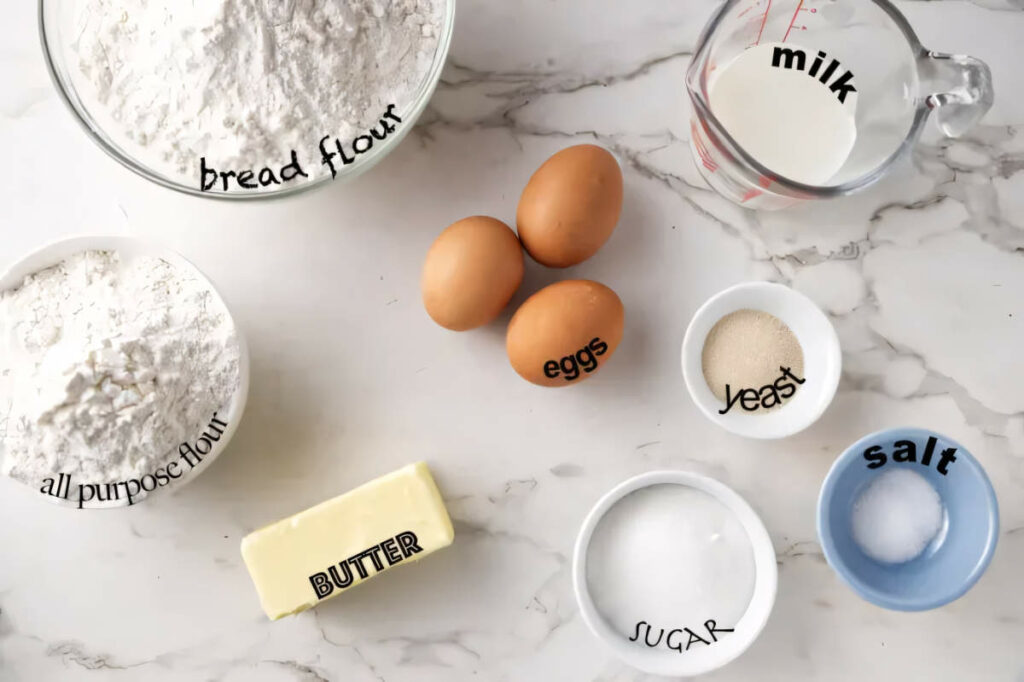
column 922, row 275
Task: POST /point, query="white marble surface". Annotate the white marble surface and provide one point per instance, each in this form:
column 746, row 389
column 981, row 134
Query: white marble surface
column 922, row 276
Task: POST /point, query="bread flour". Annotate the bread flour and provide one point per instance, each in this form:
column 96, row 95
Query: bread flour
column 107, row 364
column 244, row 82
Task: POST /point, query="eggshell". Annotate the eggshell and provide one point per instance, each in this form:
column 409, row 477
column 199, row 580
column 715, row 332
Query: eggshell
column 565, row 332
column 570, row 206
column 471, row 272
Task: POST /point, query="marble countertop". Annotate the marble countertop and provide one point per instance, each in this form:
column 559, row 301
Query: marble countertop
column 922, row 276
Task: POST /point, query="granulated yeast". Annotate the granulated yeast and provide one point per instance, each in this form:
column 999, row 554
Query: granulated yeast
column 748, row 349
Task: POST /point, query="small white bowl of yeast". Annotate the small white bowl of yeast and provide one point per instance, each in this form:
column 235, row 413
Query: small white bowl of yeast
column 744, row 412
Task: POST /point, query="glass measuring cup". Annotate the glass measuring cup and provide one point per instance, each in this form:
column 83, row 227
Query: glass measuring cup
column 899, row 83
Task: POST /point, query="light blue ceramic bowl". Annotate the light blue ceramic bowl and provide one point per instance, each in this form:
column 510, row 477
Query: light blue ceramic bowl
column 954, row 560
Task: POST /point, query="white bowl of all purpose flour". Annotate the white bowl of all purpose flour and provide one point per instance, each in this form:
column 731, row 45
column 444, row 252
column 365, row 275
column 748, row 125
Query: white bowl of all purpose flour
column 169, row 289
column 247, row 99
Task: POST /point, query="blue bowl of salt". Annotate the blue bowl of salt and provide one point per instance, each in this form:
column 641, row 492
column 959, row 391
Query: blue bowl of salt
column 908, row 519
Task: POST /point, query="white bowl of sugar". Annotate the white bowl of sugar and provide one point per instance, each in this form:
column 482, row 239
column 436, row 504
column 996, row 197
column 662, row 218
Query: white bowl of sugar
column 132, row 389
column 674, row 572
column 761, row 360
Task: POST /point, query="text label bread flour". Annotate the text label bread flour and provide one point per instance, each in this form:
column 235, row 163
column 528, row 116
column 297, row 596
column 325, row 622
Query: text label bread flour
column 334, row 154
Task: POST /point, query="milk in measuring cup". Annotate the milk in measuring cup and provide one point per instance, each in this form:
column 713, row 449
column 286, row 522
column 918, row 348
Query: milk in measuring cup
column 790, row 107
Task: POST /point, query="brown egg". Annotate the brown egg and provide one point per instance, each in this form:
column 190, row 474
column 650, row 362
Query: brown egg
column 471, row 272
column 570, row 206
column 565, row 332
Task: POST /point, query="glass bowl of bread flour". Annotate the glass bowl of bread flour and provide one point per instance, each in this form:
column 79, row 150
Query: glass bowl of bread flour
column 246, row 99
column 122, row 372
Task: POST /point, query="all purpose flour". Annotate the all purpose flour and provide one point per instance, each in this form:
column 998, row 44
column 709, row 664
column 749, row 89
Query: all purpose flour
column 107, row 364
column 245, row 82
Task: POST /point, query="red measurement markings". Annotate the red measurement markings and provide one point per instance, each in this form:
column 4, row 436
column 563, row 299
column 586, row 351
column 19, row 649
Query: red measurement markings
column 764, row 20
column 764, row 181
column 792, row 22
column 702, row 151
column 746, row 10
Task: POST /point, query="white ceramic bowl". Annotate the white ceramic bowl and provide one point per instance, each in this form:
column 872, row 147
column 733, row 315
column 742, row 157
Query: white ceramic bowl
column 699, row 660
column 57, row 251
column 817, row 337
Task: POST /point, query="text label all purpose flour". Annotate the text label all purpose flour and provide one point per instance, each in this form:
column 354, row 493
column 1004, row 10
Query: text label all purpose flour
column 112, row 371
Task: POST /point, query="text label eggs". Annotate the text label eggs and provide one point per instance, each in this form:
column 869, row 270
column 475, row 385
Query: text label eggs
column 565, row 332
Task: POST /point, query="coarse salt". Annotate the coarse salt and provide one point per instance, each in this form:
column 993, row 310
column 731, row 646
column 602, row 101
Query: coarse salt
column 896, row 516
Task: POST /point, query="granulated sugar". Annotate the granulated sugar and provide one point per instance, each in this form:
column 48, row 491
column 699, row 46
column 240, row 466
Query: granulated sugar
column 245, row 82
column 670, row 556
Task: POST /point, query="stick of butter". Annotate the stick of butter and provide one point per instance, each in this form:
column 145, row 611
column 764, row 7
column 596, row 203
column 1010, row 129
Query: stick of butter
column 327, row 549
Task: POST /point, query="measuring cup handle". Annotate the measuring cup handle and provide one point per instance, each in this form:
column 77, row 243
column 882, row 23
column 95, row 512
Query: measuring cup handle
column 960, row 87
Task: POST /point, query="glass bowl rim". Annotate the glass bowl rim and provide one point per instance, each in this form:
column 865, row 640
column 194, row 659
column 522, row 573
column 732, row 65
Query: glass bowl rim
column 67, row 94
